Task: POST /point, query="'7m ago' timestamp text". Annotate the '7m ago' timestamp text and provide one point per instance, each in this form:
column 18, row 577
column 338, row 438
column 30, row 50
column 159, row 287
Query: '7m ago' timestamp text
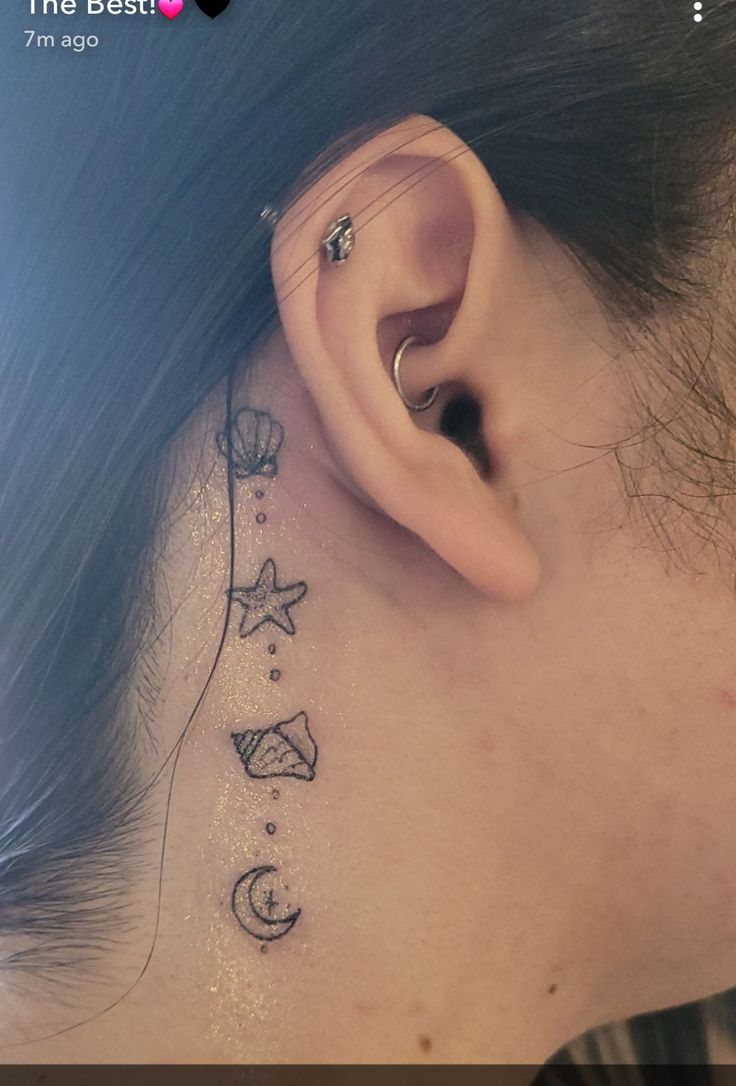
column 77, row 42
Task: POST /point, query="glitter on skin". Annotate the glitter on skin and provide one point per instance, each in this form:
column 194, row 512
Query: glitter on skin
column 217, row 815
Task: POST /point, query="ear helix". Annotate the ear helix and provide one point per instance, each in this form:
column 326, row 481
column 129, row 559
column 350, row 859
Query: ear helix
column 338, row 242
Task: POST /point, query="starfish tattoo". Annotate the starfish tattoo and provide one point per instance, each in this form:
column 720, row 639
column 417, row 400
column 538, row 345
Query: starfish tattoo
column 265, row 601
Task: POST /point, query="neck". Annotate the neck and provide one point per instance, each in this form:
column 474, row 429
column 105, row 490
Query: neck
column 426, row 928
column 421, row 916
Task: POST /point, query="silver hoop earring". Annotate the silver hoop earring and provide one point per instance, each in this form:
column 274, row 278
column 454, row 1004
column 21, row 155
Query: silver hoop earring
column 397, row 382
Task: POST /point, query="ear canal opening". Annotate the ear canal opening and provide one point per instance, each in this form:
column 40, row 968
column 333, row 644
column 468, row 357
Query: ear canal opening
column 461, row 422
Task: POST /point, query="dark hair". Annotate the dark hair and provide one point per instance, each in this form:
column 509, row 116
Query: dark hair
column 137, row 280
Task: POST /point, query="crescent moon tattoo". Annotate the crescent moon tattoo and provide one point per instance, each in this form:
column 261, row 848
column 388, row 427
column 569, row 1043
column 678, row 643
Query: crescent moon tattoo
column 248, row 916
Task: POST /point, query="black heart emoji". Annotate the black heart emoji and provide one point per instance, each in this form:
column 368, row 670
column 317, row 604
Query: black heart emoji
column 213, row 8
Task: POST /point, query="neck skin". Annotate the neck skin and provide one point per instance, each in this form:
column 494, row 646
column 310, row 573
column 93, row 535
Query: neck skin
column 428, row 931
column 473, row 859
column 432, row 927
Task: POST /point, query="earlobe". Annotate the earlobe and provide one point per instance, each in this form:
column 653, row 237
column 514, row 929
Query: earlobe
column 420, row 260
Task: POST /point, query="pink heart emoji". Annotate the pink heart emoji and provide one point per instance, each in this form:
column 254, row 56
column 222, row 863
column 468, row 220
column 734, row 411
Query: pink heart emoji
column 170, row 8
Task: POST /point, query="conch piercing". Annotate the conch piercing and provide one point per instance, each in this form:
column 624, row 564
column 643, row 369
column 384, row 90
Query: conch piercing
column 397, row 382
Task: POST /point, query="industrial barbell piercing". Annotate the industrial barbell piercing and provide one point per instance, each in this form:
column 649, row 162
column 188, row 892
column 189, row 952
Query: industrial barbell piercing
column 338, row 240
column 269, row 216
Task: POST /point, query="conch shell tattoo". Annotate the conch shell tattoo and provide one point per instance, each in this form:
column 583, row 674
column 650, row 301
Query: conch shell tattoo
column 285, row 750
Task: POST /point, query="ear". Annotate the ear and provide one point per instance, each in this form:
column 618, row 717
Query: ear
column 434, row 250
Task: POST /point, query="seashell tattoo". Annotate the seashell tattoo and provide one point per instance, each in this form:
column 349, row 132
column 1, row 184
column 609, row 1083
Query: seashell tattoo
column 285, row 750
column 256, row 437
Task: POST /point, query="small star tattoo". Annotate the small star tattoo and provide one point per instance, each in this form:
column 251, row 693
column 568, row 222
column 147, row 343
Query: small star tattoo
column 265, row 601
